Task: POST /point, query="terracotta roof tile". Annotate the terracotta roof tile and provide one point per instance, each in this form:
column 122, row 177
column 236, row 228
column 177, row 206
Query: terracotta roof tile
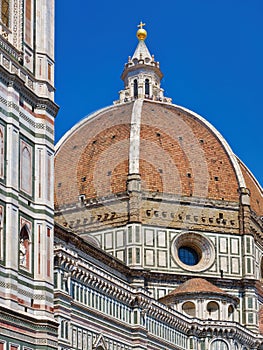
column 196, row 285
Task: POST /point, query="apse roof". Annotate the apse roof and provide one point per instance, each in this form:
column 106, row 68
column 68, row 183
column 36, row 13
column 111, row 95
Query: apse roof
column 196, row 287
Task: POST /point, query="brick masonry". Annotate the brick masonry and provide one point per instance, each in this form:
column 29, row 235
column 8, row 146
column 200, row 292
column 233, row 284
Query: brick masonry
column 179, row 157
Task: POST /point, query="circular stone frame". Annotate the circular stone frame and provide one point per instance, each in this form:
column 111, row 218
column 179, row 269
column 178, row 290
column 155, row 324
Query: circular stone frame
column 201, row 244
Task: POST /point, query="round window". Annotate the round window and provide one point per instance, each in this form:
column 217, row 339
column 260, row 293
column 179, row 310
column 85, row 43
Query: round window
column 189, row 308
column 193, row 251
column 188, row 255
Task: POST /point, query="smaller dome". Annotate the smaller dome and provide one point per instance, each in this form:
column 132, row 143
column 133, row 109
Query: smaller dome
column 196, row 286
column 200, row 298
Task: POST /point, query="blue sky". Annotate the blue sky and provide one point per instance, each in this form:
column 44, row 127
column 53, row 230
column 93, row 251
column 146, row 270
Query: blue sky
column 210, row 51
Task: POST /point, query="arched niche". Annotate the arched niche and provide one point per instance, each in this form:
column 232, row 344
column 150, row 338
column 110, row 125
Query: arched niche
column 24, row 250
column 189, row 308
column 213, row 310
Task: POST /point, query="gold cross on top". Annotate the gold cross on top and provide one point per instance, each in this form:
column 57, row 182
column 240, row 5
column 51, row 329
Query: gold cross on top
column 141, row 25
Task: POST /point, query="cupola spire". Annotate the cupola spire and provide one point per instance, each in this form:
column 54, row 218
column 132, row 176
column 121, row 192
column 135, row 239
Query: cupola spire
column 141, row 33
column 142, row 75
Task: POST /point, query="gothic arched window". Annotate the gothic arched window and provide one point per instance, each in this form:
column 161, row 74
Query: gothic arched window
column 5, row 9
column 26, row 168
column 135, row 88
column 147, row 87
column 1, row 152
column 24, row 253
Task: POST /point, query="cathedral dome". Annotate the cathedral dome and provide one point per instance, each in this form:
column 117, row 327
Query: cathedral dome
column 170, row 151
column 147, row 160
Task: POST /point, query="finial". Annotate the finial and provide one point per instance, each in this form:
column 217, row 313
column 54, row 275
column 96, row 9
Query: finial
column 141, row 33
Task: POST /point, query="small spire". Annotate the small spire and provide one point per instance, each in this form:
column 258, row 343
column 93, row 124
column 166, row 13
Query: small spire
column 142, row 75
column 141, row 33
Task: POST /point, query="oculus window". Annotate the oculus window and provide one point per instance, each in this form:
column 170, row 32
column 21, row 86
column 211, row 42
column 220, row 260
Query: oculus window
column 188, row 255
column 193, row 251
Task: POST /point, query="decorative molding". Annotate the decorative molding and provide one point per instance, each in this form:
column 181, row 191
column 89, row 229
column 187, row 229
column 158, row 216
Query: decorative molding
column 24, row 82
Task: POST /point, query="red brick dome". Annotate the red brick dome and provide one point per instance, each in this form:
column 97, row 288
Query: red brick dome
column 171, row 151
column 179, row 154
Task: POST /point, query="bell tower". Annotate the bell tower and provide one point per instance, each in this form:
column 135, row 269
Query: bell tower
column 27, row 112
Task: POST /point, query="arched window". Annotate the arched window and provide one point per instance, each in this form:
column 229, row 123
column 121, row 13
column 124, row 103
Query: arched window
column 24, row 253
column 26, row 168
column 213, row 310
column 5, row 9
column 135, row 88
column 147, row 87
column 231, row 313
column 1, row 152
column 189, row 308
column 219, row 345
column 188, row 255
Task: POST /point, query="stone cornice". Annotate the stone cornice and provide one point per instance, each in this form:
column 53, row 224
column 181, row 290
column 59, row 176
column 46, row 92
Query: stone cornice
column 38, row 323
column 230, row 330
column 10, row 49
column 39, row 102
